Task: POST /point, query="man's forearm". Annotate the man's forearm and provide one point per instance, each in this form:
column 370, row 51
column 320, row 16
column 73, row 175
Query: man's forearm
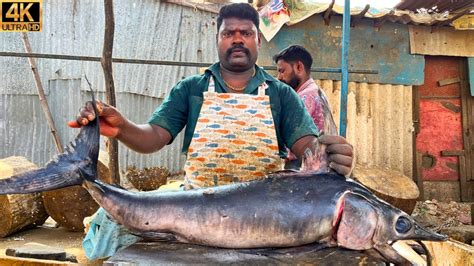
column 143, row 138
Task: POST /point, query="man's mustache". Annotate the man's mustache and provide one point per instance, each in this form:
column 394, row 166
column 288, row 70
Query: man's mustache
column 240, row 47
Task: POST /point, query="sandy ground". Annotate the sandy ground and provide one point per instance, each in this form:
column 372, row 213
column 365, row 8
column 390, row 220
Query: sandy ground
column 48, row 235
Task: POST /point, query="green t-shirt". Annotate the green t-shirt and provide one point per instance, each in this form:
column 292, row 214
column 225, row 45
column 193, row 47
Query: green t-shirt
column 182, row 106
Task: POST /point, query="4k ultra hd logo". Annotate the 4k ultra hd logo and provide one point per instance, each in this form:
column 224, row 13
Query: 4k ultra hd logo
column 20, row 15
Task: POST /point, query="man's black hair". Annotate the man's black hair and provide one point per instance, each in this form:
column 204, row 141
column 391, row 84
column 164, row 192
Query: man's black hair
column 295, row 53
column 240, row 11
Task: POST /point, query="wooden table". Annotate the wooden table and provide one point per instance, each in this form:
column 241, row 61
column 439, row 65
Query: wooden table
column 177, row 253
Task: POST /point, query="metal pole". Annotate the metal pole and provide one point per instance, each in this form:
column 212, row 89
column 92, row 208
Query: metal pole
column 162, row 62
column 346, row 22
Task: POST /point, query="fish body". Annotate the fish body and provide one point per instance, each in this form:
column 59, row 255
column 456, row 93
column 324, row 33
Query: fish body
column 283, row 210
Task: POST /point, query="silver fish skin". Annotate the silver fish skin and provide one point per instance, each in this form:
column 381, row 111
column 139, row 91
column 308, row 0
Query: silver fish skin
column 283, row 210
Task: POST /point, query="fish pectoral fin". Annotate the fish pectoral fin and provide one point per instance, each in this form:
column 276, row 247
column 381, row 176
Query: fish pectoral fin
column 158, row 237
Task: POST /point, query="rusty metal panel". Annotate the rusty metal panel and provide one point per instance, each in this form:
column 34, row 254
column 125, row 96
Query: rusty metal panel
column 441, row 41
column 380, row 123
column 385, row 50
column 434, row 6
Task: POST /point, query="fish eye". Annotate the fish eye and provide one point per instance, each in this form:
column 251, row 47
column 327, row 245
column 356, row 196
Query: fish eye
column 403, row 225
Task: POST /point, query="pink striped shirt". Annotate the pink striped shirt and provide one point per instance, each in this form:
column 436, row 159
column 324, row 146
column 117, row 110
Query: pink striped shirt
column 308, row 92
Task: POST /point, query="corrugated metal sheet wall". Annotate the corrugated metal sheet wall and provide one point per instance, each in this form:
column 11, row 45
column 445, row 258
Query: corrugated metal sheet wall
column 380, row 123
column 146, row 29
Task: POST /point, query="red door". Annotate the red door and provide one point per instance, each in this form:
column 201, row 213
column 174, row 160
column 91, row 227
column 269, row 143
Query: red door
column 439, row 142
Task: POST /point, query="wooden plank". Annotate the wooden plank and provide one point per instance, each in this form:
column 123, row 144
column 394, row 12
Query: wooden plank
column 463, row 179
column 439, row 97
column 472, row 212
column 450, row 252
column 467, row 123
column 469, row 138
column 445, row 82
column 441, row 41
column 7, row 260
column 470, row 69
column 178, row 253
column 417, row 173
column 452, row 153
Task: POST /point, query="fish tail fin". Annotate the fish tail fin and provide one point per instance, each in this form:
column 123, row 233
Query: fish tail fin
column 76, row 164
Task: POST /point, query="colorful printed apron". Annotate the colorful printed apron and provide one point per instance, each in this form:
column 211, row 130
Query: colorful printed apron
column 234, row 140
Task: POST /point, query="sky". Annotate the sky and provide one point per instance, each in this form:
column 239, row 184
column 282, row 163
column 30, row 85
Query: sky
column 372, row 3
column 354, row 3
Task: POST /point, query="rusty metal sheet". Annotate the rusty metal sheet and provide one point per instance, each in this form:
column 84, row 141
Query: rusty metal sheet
column 434, row 5
column 465, row 22
column 441, row 41
column 385, row 49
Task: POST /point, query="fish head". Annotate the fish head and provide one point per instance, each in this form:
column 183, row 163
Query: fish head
column 394, row 225
column 366, row 222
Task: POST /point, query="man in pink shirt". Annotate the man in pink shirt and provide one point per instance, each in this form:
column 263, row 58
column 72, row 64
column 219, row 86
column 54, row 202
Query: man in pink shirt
column 294, row 68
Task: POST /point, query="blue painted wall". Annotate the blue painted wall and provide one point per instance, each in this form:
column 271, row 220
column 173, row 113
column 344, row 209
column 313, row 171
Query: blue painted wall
column 470, row 64
column 385, row 49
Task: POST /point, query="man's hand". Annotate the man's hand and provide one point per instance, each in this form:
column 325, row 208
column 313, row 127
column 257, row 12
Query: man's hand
column 341, row 155
column 110, row 119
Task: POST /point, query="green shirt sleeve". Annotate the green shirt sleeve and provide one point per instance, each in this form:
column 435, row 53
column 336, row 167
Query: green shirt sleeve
column 173, row 112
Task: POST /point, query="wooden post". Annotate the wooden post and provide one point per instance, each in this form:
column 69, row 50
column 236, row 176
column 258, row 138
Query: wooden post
column 106, row 63
column 39, row 88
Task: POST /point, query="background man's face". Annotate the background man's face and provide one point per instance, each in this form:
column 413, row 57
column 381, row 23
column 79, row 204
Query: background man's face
column 286, row 74
column 238, row 42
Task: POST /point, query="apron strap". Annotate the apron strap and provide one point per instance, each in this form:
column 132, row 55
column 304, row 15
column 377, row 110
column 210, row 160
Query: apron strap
column 262, row 88
column 212, row 85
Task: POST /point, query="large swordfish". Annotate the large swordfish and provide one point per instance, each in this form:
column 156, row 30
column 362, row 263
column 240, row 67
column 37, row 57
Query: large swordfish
column 283, row 210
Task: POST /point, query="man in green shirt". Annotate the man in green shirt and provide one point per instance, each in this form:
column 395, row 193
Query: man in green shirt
column 238, row 41
column 238, row 122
